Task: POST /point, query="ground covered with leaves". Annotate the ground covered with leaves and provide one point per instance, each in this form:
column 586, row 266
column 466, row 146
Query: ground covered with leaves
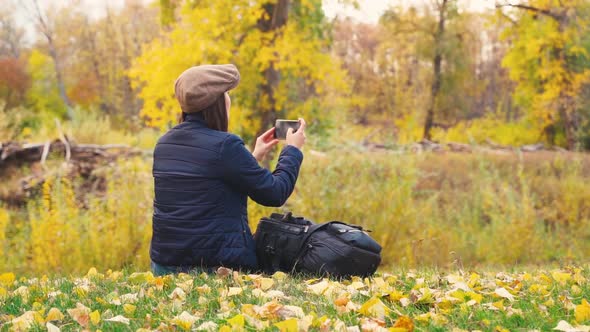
column 232, row 301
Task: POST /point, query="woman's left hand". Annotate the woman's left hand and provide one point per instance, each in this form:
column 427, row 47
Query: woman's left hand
column 264, row 144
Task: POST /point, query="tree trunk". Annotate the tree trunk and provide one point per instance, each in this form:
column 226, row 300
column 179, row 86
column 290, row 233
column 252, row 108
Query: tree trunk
column 60, row 82
column 569, row 123
column 278, row 14
column 436, row 64
column 48, row 33
column 567, row 107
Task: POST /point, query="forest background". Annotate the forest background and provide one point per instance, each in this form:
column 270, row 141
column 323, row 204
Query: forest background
column 511, row 78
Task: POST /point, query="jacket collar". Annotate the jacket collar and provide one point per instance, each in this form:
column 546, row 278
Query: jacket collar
column 194, row 117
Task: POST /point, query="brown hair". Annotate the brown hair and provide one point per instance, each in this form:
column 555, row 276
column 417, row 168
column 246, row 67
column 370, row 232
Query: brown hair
column 215, row 115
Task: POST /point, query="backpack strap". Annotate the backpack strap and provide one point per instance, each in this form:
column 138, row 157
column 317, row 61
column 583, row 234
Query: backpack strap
column 360, row 228
column 309, row 232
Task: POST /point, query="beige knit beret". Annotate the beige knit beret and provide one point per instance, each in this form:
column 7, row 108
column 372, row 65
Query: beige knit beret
column 199, row 87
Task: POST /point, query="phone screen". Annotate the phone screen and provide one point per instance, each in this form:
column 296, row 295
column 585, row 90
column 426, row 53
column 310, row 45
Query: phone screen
column 281, row 127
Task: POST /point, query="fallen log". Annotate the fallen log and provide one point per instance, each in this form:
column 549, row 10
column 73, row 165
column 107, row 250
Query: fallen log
column 17, row 154
column 78, row 161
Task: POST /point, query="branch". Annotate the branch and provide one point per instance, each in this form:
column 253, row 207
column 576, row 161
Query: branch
column 545, row 12
column 45, row 28
column 514, row 23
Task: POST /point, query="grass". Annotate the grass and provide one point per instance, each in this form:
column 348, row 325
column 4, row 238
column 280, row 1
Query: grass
column 423, row 300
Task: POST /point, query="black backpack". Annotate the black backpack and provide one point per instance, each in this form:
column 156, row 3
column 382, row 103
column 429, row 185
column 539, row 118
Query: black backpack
column 295, row 244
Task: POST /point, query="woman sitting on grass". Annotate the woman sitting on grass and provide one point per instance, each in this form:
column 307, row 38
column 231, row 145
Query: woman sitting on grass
column 203, row 176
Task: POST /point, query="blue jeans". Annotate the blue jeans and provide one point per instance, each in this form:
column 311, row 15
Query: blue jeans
column 160, row 270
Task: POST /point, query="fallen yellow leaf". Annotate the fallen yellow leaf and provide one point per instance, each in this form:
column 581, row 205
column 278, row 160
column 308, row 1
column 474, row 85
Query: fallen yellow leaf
column 159, row 283
column 289, row 325
column 185, row 320
column 205, row 289
column 186, row 286
column 54, row 314
column 178, row 293
column 269, row 310
column 374, row 308
column 279, row 275
column 237, row 321
column 319, row 288
column 396, row 295
column 25, row 321
column 264, row 283
column 404, row 322
column 129, row 309
column 582, row 312
column 234, row 291
column 341, row 301
column 7, row 278
column 138, row 278
column 95, row 317
column 92, row 272
column 499, row 305
column 561, row 277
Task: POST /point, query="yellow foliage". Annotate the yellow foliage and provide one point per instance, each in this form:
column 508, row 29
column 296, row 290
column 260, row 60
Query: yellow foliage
column 541, row 60
column 207, row 34
column 66, row 238
column 490, row 129
column 54, row 237
column 4, row 220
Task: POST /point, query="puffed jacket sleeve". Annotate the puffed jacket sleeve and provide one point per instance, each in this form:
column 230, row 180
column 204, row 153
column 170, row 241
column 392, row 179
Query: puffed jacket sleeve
column 241, row 170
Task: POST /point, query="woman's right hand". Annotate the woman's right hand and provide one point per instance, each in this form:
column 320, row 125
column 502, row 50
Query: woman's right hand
column 296, row 139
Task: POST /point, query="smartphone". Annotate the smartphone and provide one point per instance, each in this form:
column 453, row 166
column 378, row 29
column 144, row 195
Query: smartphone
column 281, row 127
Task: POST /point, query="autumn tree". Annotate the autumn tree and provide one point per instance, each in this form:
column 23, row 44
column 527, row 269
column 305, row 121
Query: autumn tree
column 277, row 46
column 357, row 46
column 498, row 88
column 45, row 25
column 435, row 30
column 14, row 78
column 106, row 48
column 438, row 35
column 14, row 82
column 429, row 53
column 549, row 61
column 11, row 35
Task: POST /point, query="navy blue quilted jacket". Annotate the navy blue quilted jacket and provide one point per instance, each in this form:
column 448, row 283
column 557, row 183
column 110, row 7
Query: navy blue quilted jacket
column 202, row 180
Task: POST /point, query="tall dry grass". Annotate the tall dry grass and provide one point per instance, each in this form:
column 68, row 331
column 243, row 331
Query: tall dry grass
column 425, row 210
